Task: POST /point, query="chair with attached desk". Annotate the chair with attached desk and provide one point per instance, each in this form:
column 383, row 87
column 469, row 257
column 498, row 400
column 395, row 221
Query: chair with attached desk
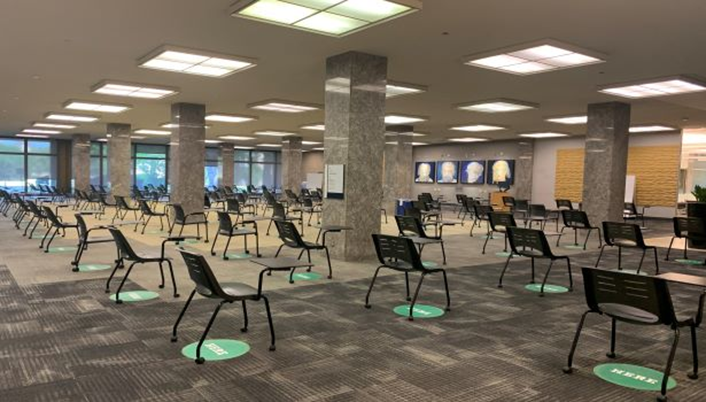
column 538, row 213
column 577, row 220
column 85, row 239
column 499, row 222
column 400, row 254
column 227, row 228
column 291, row 238
column 413, row 228
column 209, row 287
column 56, row 224
column 532, row 243
column 147, row 214
column 630, row 212
column 639, row 300
column 480, row 214
column 183, row 219
column 279, row 213
column 562, row 204
column 625, row 235
column 687, row 229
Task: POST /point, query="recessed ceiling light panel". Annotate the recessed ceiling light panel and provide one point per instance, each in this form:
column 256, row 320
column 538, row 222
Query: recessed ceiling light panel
column 152, row 132
column 394, row 89
column 315, row 127
column 468, row 139
column 403, row 119
column 236, row 138
column 270, row 145
column 275, row 105
column 652, row 128
column 101, row 107
column 274, row 133
column 196, row 62
column 133, row 90
column 54, row 125
column 655, row 87
column 543, row 135
column 570, row 120
column 40, row 131
column 497, row 106
column 31, row 136
column 71, row 117
column 229, row 118
column 478, row 127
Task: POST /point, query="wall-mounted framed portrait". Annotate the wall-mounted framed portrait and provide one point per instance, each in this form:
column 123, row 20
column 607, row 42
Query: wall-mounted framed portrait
column 473, row 172
column 447, row 172
column 424, row 172
column 501, row 171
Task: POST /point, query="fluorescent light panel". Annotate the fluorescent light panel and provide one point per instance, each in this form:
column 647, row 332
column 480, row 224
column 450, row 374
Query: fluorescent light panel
column 283, row 106
column 174, row 125
column 402, row 119
column 537, row 57
column 133, row 90
column 71, row 117
column 570, row 120
column 212, row 142
column 394, row 89
column 40, row 131
column 54, row 125
column 196, row 62
column 241, row 147
column 229, row 118
column 328, row 17
column 413, row 134
column 270, row 145
column 651, row 128
column 274, row 133
column 478, row 127
column 102, row 107
column 147, row 131
column 236, row 138
column 317, row 149
column 311, row 143
column 31, row 136
column 468, row 139
column 656, row 87
column 497, row 106
column 316, row 127
column 543, row 135
column 418, row 144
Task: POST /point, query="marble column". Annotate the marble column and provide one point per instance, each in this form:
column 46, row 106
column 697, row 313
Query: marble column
column 81, row 161
column 120, row 158
column 292, row 163
column 523, row 170
column 227, row 176
column 399, row 167
column 605, row 161
column 186, row 156
column 355, row 138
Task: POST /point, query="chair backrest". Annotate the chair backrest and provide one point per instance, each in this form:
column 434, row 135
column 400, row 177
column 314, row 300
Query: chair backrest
column 126, row 251
column 575, row 219
column 290, row 195
column 201, row 274
column 82, row 227
column 51, row 216
column 120, row 201
column 529, row 242
column 145, row 207
column 460, row 198
column 34, row 209
column 409, row 226
column 232, row 205
column 689, row 227
column 482, row 211
column 425, row 197
column 206, row 201
column 509, row 201
column 605, row 289
column 278, row 211
column 240, row 197
column 391, row 250
column 623, row 234
column 289, row 234
column 521, row 206
column 307, row 202
column 225, row 224
column 412, row 211
column 179, row 215
column 499, row 221
column 538, row 210
column 564, row 204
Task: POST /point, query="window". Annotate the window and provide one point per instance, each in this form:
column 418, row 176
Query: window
column 25, row 163
column 149, row 165
column 212, row 174
column 257, row 168
column 100, row 175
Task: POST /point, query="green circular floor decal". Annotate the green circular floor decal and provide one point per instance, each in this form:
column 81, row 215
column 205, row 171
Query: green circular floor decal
column 136, row 296
column 631, row 376
column 429, row 264
column 689, row 262
column 420, row 311
column 306, row 276
column 238, row 256
column 536, row 287
column 63, row 249
column 93, row 267
column 503, row 254
column 217, row 349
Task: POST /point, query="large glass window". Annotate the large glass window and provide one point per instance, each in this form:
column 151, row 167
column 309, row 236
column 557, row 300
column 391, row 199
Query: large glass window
column 24, row 163
column 257, row 168
column 150, row 165
column 100, row 175
column 212, row 172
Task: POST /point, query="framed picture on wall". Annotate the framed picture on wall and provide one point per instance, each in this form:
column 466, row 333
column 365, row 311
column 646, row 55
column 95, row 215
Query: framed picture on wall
column 447, row 172
column 501, row 171
column 473, row 172
column 424, row 172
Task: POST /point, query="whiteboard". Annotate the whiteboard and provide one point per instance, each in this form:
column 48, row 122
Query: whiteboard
column 630, row 189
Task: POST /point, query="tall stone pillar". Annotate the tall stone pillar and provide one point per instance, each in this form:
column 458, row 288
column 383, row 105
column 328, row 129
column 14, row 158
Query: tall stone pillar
column 227, row 176
column 523, row 170
column 81, row 161
column 187, row 153
column 292, row 163
column 119, row 158
column 606, row 160
column 399, row 167
column 355, row 138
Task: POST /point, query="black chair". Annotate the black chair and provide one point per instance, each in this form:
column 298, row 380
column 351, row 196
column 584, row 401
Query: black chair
column 37, row 217
column 538, row 213
column 532, row 243
column 577, row 220
column 279, row 213
column 227, row 228
column 400, row 254
column 499, row 222
column 291, row 238
column 147, row 214
column 630, row 213
column 687, row 229
column 521, row 209
column 625, row 235
column 85, row 239
column 509, row 202
column 309, row 207
column 639, row 300
column 56, row 224
column 122, row 208
column 480, row 214
column 562, row 204
column 128, row 254
column 182, row 219
column 412, row 228
column 208, row 286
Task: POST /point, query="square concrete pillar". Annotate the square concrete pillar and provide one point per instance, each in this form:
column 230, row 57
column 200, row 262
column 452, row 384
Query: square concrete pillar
column 120, row 158
column 81, row 161
column 187, row 156
column 227, row 176
column 292, row 163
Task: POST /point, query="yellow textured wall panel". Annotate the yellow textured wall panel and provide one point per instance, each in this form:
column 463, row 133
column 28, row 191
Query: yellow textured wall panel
column 569, row 174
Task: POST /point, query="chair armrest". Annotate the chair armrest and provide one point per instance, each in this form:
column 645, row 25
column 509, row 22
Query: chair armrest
column 175, row 239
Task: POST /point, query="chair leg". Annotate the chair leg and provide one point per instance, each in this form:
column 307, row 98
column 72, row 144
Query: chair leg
column 486, row 243
column 171, row 272
column 561, row 233
column 406, row 282
column 181, row 315
column 245, row 317
column 569, row 369
column 414, row 298
column 694, row 374
column 122, row 283
column 639, row 267
column 370, row 288
column 669, row 249
column 448, row 294
column 118, row 264
column 144, row 226
column 546, row 276
column 443, row 252
column 46, row 249
column 205, row 225
column 161, row 274
column 213, row 245
column 502, row 274
column 269, row 321
column 585, row 242
column 199, row 359
column 278, row 250
column 571, row 277
column 328, row 259
column 668, row 369
column 225, row 250
column 600, row 255
column 656, row 261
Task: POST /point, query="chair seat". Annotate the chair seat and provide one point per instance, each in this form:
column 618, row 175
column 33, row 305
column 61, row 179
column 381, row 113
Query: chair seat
column 152, row 257
column 238, row 290
column 629, row 314
column 425, row 240
column 237, row 232
column 314, row 246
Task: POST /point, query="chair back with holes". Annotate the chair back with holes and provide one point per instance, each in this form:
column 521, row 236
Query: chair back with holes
column 694, row 228
column 575, row 219
column 225, row 224
column 460, row 198
column 509, row 201
column 278, row 211
column 241, row 198
column 396, row 252
column 206, row 201
column 529, row 242
column 307, row 202
column 482, row 211
column 623, row 234
column 289, row 234
column 145, row 207
column 121, row 203
column 537, row 210
column 499, row 222
column 34, row 209
column 51, row 216
column 564, row 204
column 233, row 206
column 201, row 274
column 521, row 206
column 290, row 195
column 179, row 215
column 126, row 251
column 642, row 296
column 414, row 212
column 269, row 198
column 82, row 227
column 410, row 226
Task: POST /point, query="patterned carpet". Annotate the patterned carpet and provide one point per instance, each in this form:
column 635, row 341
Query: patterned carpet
column 68, row 342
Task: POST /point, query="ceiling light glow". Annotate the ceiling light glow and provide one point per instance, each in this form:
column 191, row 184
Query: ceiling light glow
column 133, row 90
column 101, row 107
column 497, row 106
column 196, row 62
column 656, row 87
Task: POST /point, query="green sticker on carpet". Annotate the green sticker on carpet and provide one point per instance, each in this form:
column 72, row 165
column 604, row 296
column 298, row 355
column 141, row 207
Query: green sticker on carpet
column 536, row 287
column 306, row 276
column 217, row 349
column 93, row 267
column 631, row 376
column 420, row 311
column 238, row 256
column 689, row 262
column 429, row 264
column 63, row 249
column 136, row 296
column 504, row 254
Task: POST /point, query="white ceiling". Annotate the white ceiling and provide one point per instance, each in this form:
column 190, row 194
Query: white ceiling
column 52, row 51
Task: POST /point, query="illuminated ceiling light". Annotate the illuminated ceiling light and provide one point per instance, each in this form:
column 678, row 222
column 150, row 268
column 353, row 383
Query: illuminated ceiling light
column 102, row 107
column 275, row 105
column 468, row 139
column 71, row 117
column 136, row 137
column 273, row 133
column 310, row 143
column 655, row 87
column 53, row 125
column 102, row 140
column 316, row 127
column 402, row 119
column 174, row 125
column 536, row 57
column 497, row 106
column 413, row 134
column 236, row 138
column 418, row 144
column 31, row 136
column 317, row 149
column 229, row 118
column 212, row 142
column 652, row 128
column 270, row 145
column 133, row 90
column 393, row 89
column 241, row 147
column 197, row 62
column 146, row 131
column 478, row 127
column 328, row 17
column 40, row 131
column 543, row 135
column 576, row 119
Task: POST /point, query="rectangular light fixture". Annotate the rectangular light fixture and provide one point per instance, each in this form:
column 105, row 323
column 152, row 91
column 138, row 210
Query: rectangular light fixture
column 478, row 127
column 652, row 128
column 655, row 87
column 136, row 137
column 40, row 131
column 102, row 140
column 236, row 138
column 543, row 135
column 393, row 89
column 212, row 142
column 570, row 120
column 317, row 149
column 71, row 117
column 311, row 143
column 468, row 139
column 31, row 136
column 536, row 57
column 269, row 145
column 497, row 106
column 413, row 134
column 146, row 131
column 275, row 105
column 101, row 107
column 241, row 147
column 328, row 17
column 403, row 119
column 54, row 125
column 133, row 90
column 174, row 125
column 419, row 144
column 196, row 62
column 273, row 133
column 229, row 118
column 315, row 127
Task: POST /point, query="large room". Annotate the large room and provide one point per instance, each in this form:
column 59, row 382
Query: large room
column 352, row 200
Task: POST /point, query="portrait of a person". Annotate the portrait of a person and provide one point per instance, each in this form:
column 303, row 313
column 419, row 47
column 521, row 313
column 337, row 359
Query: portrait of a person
column 447, row 173
column 473, row 172
column 501, row 172
column 425, row 172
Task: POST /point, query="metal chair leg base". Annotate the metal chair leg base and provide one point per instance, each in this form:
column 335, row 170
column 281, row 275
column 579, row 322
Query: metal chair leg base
column 176, row 295
column 273, row 348
column 74, row 269
column 611, row 355
column 161, row 286
column 200, row 360
column 567, row 370
column 693, row 375
column 118, row 301
column 368, row 306
column 174, row 339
